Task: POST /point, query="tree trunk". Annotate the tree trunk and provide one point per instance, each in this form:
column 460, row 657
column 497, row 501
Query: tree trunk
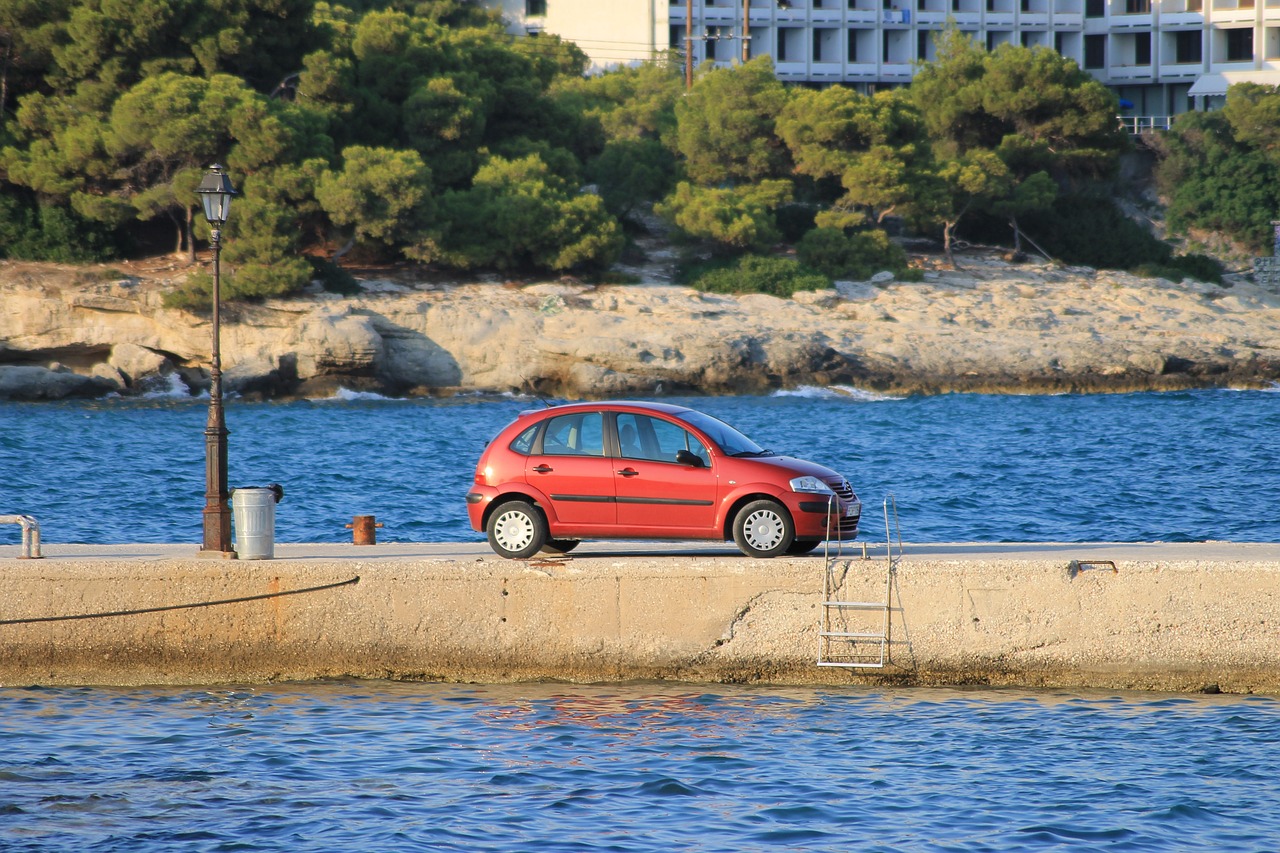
column 191, row 234
column 1017, row 234
column 7, row 39
column 947, row 228
column 350, row 244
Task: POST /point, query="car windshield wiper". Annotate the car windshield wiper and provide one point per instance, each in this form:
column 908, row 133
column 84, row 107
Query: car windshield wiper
column 751, row 454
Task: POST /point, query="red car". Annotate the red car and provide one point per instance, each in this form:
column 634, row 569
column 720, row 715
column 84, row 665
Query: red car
column 556, row 476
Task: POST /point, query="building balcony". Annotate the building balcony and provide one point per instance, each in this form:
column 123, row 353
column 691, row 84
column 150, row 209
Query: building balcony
column 1000, row 20
column 861, row 71
column 791, row 70
column 1180, row 72
column 1033, row 19
column 1073, row 21
column 1127, row 21
column 826, row 71
column 1181, row 20
column 1131, row 73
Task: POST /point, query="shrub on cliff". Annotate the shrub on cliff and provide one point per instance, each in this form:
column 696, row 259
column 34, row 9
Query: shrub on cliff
column 850, row 256
column 756, row 274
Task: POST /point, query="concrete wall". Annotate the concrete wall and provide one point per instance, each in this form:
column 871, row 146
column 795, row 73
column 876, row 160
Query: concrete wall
column 1028, row 620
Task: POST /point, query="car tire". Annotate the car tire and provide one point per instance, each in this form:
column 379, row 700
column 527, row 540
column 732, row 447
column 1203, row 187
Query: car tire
column 763, row 529
column 516, row 530
column 560, row 546
column 800, row 547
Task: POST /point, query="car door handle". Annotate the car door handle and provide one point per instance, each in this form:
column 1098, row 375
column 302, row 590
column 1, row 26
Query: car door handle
column 629, row 472
column 543, row 469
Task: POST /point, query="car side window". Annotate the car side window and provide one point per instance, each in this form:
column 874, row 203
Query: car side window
column 523, row 443
column 643, row 437
column 579, row 434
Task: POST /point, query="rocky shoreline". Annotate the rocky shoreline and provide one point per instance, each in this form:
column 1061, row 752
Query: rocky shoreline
column 989, row 327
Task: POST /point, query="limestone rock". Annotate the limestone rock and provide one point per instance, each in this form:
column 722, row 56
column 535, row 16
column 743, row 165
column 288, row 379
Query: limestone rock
column 137, row 363
column 31, row 382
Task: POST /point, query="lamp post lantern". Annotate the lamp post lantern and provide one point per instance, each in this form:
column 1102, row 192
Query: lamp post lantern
column 215, row 193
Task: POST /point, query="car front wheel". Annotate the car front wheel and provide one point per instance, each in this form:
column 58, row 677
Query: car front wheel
column 763, row 529
column 516, row 530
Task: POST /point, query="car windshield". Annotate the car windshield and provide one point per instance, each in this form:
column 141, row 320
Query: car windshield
column 729, row 440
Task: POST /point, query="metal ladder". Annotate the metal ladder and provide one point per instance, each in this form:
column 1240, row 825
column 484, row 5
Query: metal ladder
column 839, row 644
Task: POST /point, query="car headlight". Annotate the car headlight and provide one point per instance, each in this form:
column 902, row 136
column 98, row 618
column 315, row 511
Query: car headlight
column 810, row 484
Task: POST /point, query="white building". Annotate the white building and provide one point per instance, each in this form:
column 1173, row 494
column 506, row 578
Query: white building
column 611, row 32
column 1161, row 56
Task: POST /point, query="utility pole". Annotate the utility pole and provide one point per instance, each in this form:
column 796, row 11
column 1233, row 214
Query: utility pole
column 688, row 45
column 746, row 30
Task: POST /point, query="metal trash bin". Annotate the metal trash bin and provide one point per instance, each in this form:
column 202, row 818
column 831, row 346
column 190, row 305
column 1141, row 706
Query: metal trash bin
column 254, row 511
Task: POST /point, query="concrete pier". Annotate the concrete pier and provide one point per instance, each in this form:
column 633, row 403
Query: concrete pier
column 1174, row 617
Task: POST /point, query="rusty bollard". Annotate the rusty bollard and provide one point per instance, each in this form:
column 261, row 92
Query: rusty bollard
column 362, row 530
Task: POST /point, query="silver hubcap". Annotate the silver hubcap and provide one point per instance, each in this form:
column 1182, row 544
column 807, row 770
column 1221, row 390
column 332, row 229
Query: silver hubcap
column 513, row 530
column 764, row 529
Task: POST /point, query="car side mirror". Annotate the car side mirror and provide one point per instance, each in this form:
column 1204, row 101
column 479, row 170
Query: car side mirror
column 688, row 457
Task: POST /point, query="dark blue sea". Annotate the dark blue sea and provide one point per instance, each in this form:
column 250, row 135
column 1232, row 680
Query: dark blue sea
column 380, row 766
column 376, row 766
column 1174, row 467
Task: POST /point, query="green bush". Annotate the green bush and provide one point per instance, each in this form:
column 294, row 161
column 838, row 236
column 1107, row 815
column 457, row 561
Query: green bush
column 758, row 274
column 50, row 233
column 1092, row 231
column 334, row 277
column 854, row 256
column 1198, row 267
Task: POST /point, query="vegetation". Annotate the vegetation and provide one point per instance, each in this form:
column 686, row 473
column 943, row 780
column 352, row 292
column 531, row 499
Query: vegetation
column 1221, row 170
column 421, row 130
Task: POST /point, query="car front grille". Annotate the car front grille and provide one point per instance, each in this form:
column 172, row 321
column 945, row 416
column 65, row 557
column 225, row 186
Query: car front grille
column 842, row 488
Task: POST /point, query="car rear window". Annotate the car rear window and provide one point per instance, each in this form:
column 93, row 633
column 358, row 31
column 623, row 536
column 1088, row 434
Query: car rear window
column 578, row 434
column 523, row 443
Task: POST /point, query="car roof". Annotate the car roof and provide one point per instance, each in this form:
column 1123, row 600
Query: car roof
column 612, row 406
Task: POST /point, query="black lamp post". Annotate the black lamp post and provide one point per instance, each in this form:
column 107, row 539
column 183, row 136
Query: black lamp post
column 215, row 192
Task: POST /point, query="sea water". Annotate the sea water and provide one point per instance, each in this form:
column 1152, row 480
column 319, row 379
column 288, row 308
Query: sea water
column 379, row 766
column 1176, row 467
column 375, row 766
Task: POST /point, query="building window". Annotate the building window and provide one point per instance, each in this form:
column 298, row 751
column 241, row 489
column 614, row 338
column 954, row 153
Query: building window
column 1137, row 7
column 853, row 45
column 1188, row 46
column 1095, row 8
column 535, row 8
column 790, row 44
column 1195, row 5
column 1142, row 49
column 1240, row 44
column 1095, row 51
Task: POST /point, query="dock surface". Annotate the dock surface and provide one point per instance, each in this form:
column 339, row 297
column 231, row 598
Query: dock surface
column 1182, row 617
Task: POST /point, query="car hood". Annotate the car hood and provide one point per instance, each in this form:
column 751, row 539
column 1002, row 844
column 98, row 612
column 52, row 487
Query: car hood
column 799, row 467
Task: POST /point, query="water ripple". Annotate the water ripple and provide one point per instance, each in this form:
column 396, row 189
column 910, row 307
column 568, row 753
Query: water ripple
column 381, row 766
column 1067, row 468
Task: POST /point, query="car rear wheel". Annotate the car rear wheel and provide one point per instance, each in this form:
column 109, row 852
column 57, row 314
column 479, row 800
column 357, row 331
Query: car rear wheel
column 516, row 530
column 802, row 546
column 763, row 529
column 560, row 546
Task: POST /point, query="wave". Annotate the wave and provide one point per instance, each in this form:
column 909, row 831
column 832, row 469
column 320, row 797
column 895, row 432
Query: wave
column 346, row 395
column 170, row 387
column 835, row 392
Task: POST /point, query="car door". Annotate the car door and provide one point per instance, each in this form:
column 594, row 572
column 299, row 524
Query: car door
column 658, row 496
column 569, row 465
